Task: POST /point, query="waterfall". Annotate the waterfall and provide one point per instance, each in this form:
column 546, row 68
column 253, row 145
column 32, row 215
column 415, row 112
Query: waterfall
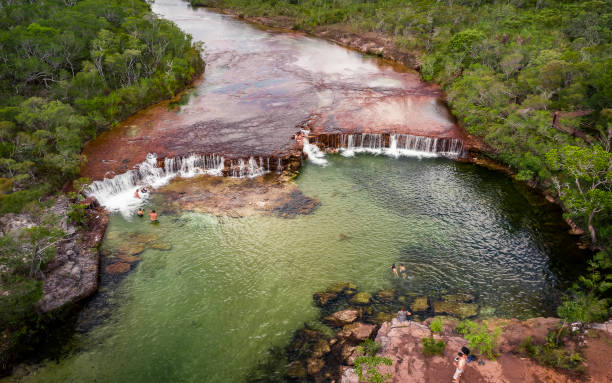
column 251, row 169
column 117, row 193
column 400, row 145
column 314, row 154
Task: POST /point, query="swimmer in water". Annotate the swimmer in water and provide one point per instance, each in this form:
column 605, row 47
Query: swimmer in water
column 140, row 213
column 136, row 195
column 394, row 270
column 153, row 216
column 402, row 270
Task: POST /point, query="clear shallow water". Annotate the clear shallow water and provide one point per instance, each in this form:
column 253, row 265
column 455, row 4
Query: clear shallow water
column 229, row 289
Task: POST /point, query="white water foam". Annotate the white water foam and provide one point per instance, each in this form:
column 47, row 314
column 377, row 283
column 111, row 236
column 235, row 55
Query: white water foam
column 314, row 154
column 118, row 193
column 400, row 145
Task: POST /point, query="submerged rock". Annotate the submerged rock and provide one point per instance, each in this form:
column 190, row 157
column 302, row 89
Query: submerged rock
column 129, row 258
column 386, row 295
column 458, row 309
column 314, row 365
column 320, row 348
column 161, row 245
column 341, row 287
column 343, row 317
column 296, row 370
column 117, row 268
column 361, row 298
column 419, row 304
column 459, row 297
column 381, row 317
column 323, row 298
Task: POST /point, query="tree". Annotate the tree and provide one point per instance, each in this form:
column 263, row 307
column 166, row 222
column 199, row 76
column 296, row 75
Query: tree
column 583, row 181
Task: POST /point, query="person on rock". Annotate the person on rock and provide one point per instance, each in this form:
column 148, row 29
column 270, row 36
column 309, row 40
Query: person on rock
column 459, row 363
column 140, row 213
column 394, row 270
column 153, row 216
column 402, row 315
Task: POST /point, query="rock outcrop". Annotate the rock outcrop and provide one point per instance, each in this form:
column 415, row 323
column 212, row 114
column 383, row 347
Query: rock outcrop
column 401, row 342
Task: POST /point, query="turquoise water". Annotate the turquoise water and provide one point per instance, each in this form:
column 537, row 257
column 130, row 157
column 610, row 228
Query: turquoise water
column 230, row 288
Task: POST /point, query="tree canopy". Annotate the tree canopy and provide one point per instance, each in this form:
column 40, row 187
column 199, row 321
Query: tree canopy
column 68, row 70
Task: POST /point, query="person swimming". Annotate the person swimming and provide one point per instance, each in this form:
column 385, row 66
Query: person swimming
column 136, row 195
column 402, row 270
column 153, row 216
column 140, row 213
column 394, row 270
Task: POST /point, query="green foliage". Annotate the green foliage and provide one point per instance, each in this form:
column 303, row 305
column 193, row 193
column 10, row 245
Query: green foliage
column 432, row 346
column 368, row 348
column 480, row 337
column 77, row 214
column 585, row 303
column 366, row 365
column 370, row 365
column 70, row 69
column 549, row 354
column 436, row 325
column 23, row 294
column 584, row 183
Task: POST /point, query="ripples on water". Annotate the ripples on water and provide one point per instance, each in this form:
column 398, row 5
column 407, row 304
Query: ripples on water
column 229, row 289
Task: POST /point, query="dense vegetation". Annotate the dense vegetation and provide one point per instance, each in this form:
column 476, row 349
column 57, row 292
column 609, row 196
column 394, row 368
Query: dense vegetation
column 68, row 70
column 527, row 76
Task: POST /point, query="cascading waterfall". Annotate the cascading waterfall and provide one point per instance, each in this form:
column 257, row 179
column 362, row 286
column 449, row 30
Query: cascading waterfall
column 395, row 145
column 118, row 193
column 314, row 154
column 251, row 169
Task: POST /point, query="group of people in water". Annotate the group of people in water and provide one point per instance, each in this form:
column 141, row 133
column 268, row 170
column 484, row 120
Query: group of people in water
column 141, row 213
column 152, row 215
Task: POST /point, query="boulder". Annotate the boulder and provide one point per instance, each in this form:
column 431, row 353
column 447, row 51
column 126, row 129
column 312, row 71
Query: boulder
column 458, row 309
column 358, row 331
column 348, row 354
column 118, row 268
column 343, row 317
column 296, row 370
column 314, row 365
column 320, row 348
column 419, row 304
column 385, row 296
column 360, row 298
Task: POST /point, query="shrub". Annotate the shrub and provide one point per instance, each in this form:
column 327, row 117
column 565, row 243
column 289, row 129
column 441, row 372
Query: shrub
column 480, row 337
column 551, row 355
column 436, row 325
column 432, row 346
column 370, row 362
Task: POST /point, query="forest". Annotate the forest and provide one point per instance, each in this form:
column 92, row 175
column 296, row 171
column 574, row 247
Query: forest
column 70, row 69
column 532, row 78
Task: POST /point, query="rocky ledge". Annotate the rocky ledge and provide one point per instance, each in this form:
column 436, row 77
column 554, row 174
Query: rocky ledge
column 73, row 274
column 401, row 342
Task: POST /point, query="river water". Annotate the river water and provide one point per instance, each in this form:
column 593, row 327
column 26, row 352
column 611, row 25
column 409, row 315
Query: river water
column 208, row 304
